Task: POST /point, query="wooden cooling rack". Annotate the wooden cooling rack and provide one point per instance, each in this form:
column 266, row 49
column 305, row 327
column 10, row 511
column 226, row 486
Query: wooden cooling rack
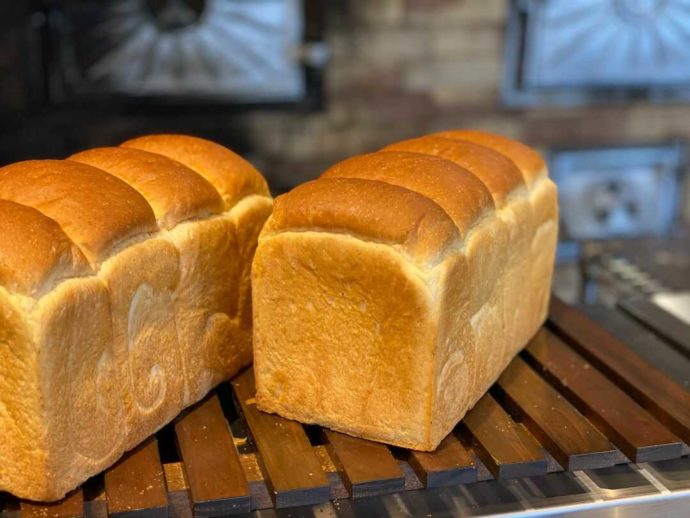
column 576, row 398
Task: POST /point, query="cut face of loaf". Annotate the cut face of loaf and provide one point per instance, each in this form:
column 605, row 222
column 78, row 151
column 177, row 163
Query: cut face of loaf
column 389, row 320
column 119, row 304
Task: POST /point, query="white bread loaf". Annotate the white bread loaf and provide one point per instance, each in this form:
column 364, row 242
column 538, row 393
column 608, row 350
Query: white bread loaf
column 121, row 278
column 392, row 292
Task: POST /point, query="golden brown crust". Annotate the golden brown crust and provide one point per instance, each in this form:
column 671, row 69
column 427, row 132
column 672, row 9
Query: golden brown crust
column 500, row 175
column 175, row 192
column 96, row 210
column 464, row 197
column 228, row 172
column 346, row 335
column 530, row 163
column 141, row 324
column 34, row 251
column 366, row 208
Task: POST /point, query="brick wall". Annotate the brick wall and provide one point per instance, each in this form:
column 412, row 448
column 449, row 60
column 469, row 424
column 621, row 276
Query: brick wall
column 401, row 68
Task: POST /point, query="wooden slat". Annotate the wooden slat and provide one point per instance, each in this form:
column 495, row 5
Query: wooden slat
column 643, row 342
column 178, row 489
column 663, row 323
column 287, row 458
column 449, row 465
column 368, row 467
column 412, row 482
column 72, row 506
column 570, row 438
column 664, row 398
column 632, row 429
column 135, row 486
column 335, row 480
column 212, row 465
column 260, row 495
column 502, row 444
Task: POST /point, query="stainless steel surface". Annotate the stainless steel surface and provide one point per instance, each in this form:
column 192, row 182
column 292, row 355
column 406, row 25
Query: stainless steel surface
column 607, row 43
column 643, row 341
column 617, row 269
column 580, row 52
column 678, row 304
column 625, row 490
column 226, row 49
column 617, row 191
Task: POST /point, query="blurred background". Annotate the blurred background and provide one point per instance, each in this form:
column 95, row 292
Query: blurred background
column 602, row 87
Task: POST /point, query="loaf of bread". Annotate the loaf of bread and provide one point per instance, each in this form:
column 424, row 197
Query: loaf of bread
column 124, row 297
column 390, row 293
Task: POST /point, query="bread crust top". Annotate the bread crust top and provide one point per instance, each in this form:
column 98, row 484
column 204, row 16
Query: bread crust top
column 95, row 209
column 175, row 192
column 498, row 173
column 64, row 218
column 34, row 251
column 367, row 209
column 530, row 163
column 407, row 193
column 232, row 175
column 457, row 191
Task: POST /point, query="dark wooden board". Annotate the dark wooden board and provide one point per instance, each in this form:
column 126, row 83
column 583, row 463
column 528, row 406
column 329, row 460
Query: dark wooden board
column 631, row 428
column 573, row 441
column 293, row 471
column 642, row 341
column 135, row 486
column 663, row 323
column 212, row 465
column 664, row 398
column 368, row 467
column 449, row 465
column 501, row 443
column 72, row 506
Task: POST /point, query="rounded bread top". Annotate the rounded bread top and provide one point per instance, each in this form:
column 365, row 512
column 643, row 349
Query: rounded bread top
column 498, row 173
column 367, row 209
column 174, row 191
column 229, row 173
column 457, row 191
column 96, row 210
column 34, row 251
column 530, row 162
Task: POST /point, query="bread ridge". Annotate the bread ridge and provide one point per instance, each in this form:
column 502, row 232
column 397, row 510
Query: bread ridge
column 113, row 210
column 208, row 159
column 513, row 186
column 83, row 159
column 174, row 192
column 417, row 225
column 35, row 253
column 498, row 173
column 530, row 162
column 348, row 168
column 455, row 189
